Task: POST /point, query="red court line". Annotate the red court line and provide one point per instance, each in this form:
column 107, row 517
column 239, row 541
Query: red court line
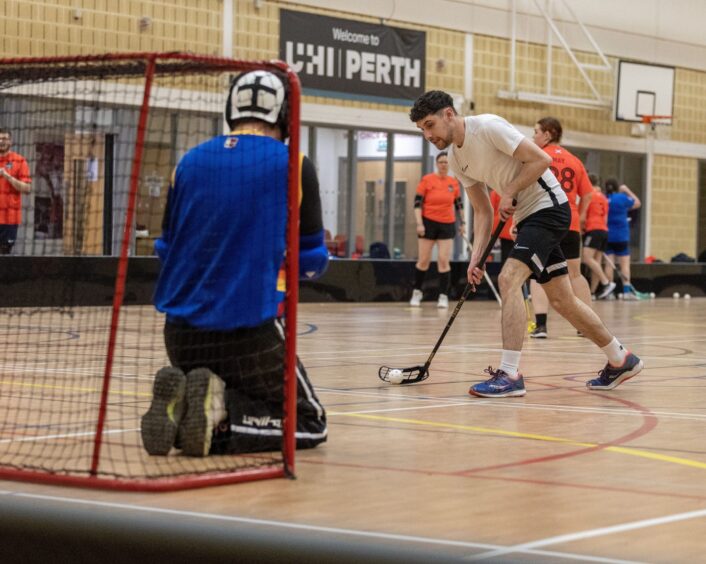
column 649, row 422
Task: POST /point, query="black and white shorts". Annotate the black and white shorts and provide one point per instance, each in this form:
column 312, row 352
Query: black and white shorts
column 435, row 230
column 596, row 239
column 538, row 243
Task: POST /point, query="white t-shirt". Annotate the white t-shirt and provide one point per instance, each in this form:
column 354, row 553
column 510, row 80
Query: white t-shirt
column 486, row 156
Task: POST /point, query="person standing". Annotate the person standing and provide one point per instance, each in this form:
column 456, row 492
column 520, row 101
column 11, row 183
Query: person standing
column 621, row 200
column 15, row 180
column 573, row 179
column 485, row 150
column 595, row 239
column 437, row 200
column 221, row 285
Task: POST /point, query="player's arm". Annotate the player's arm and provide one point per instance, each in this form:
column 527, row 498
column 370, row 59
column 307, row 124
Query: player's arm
column 630, row 194
column 23, row 185
column 585, row 191
column 482, row 226
column 161, row 244
column 313, row 255
column 534, row 163
column 418, row 203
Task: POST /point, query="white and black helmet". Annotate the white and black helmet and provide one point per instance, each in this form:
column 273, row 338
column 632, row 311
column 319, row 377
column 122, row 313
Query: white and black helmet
column 259, row 95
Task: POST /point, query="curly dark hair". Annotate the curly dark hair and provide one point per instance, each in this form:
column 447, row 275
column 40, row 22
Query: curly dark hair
column 430, row 103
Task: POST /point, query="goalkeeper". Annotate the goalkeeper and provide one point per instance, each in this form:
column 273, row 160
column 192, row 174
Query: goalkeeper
column 221, row 286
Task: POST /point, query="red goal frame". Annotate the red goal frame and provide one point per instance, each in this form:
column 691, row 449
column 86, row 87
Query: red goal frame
column 171, row 62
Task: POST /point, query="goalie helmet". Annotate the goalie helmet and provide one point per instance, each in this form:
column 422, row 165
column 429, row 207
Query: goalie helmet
column 258, row 95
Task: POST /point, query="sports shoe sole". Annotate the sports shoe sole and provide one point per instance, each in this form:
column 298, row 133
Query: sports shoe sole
column 159, row 425
column 620, row 379
column 512, row 394
column 196, row 429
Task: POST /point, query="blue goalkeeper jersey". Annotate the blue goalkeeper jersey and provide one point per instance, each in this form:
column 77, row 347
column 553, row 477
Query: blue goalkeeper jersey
column 223, row 237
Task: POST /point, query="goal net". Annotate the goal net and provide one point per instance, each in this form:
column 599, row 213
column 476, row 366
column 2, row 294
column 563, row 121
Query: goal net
column 80, row 340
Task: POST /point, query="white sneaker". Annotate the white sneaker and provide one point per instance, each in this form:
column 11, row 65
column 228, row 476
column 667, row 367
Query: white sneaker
column 443, row 302
column 416, row 300
column 206, row 408
column 629, row 296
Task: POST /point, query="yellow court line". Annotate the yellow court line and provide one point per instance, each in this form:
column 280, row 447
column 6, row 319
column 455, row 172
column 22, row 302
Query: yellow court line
column 618, row 449
column 71, row 388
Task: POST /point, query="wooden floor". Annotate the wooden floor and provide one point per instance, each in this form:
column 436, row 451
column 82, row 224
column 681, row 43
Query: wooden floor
column 563, row 474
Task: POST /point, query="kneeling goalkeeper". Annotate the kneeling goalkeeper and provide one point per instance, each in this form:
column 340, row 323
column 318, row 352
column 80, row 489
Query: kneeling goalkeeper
column 221, row 286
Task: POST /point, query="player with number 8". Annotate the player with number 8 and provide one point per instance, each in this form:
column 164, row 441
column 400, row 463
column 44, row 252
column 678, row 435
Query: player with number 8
column 573, row 179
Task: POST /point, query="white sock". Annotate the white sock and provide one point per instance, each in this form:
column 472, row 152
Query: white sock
column 615, row 352
column 510, row 362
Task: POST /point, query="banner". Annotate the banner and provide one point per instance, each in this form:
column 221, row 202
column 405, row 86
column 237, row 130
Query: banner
column 351, row 59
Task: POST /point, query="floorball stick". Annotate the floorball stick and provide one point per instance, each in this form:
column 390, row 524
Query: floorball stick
column 413, row 374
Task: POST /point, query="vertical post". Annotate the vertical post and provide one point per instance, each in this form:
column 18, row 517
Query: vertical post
column 122, row 262
column 390, row 190
column 227, row 43
column 292, row 296
column 352, row 180
column 513, row 46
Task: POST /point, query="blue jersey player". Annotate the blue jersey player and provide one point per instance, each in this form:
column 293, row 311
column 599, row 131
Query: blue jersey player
column 222, row 249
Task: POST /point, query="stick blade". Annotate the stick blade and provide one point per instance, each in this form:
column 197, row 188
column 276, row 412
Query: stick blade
column 410, row 375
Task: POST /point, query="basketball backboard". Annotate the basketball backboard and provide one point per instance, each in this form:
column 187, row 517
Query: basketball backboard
column 644, row 90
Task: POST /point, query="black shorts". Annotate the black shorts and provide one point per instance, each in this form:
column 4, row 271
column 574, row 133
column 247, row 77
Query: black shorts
column 506, row 246
column 538, row 243
column 596, row 239
column 435, row 230
column 571, row 245
column 8, row 236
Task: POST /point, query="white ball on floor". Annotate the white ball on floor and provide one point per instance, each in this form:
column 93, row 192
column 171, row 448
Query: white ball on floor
column 687, row 296
column 675, row 295
column 395, row 376
column 620, row 296
column 653, row 295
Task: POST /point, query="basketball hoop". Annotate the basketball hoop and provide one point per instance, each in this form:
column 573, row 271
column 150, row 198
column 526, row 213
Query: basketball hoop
column 648, row 126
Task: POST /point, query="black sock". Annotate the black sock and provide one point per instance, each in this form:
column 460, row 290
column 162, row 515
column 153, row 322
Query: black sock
column 444, row 282
column 541, row 319
column 419, row 278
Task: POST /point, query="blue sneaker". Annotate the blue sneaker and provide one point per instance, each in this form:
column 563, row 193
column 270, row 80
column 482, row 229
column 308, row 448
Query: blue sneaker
column 611, row 376
column 499, row 385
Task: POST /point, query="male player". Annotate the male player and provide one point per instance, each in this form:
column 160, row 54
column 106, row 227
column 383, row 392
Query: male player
column 487, row 150
column 222, row 247
column 15, row 180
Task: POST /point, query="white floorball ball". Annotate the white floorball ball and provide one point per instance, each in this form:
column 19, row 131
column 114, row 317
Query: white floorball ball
column 620, row 296
column 653, row 295
column 675, row 295
column 395, row 376
column 687, row 296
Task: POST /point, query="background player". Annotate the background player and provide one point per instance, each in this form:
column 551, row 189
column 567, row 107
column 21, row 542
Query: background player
column 487, row 150
column 221, row 249
column 573, row 179
column 595, row 239
column 621, row 200
column 438, row 198
column 15, row 180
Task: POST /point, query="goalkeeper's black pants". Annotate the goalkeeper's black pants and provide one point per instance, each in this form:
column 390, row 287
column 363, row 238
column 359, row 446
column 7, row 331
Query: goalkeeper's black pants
column 250, row 361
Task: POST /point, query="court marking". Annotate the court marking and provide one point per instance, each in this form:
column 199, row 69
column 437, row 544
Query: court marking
column 592, row 533
column 630, row 451
column 317, row 528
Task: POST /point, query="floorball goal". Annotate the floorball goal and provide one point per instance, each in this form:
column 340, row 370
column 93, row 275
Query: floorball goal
column 100, row 136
